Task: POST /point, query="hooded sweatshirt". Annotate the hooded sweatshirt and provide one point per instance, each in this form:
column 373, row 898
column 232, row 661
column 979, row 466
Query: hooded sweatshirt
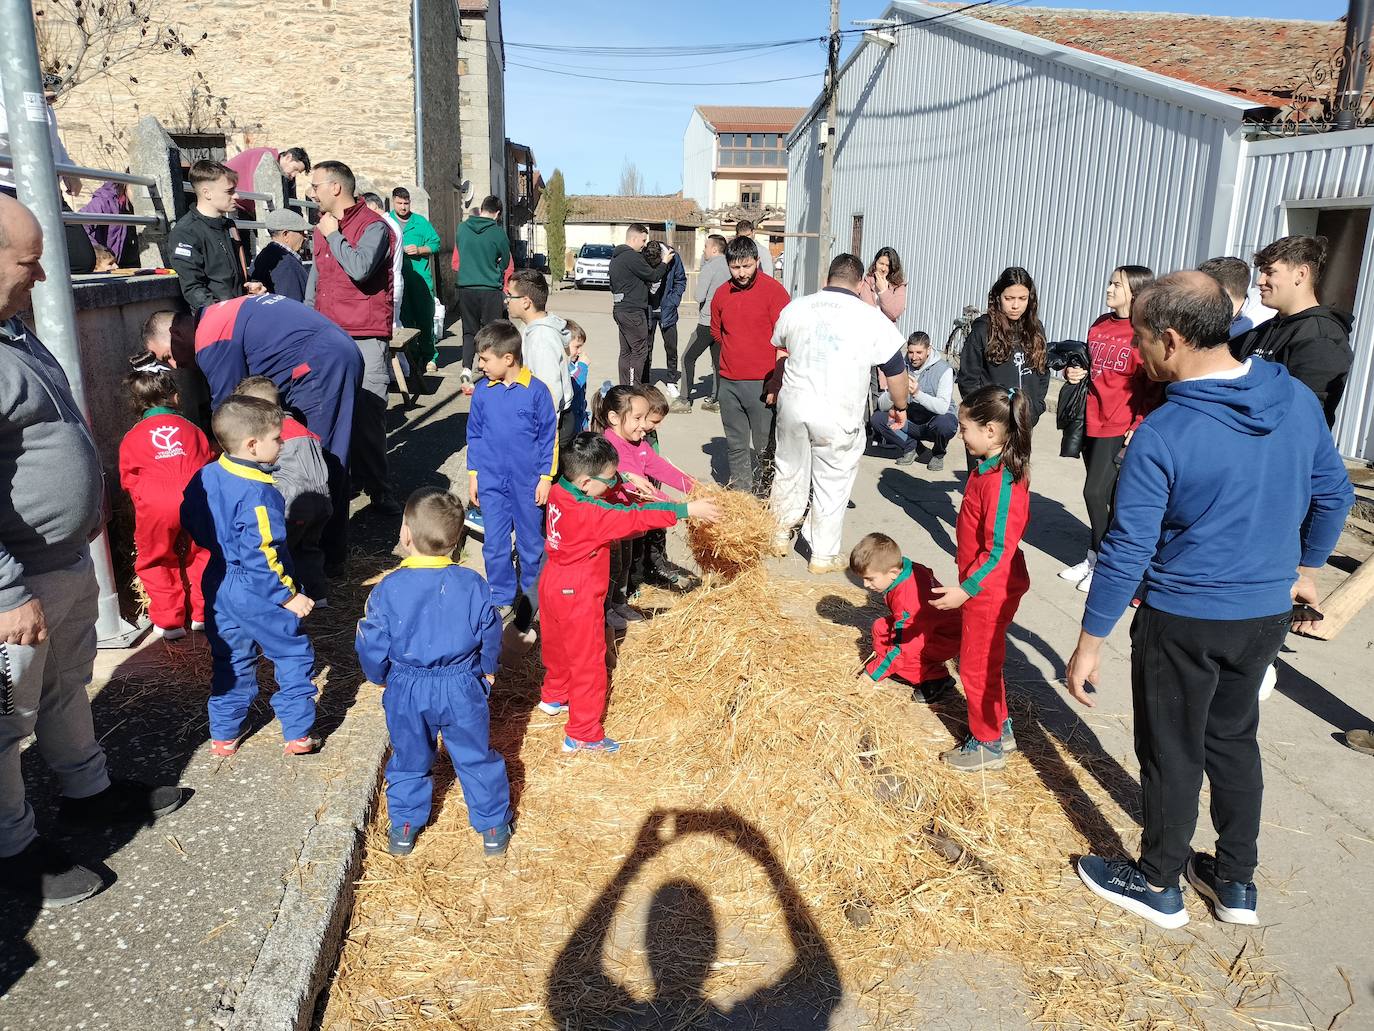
column 1314, row 345
column 481, row 253
column 1226, row 489
column 545, row 350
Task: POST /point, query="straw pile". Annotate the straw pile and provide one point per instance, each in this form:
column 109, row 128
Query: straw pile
column 739, row 540
column 775, row 833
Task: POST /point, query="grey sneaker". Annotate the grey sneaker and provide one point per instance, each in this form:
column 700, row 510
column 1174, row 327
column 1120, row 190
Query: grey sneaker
column 974, row 755
column 907, row 457
column 1008, row 737
column 680, row 407
column 936, row 463
column 710, row 405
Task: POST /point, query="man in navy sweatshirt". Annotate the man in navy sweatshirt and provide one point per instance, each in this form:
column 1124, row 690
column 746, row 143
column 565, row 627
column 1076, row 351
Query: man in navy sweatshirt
column 1230, row 497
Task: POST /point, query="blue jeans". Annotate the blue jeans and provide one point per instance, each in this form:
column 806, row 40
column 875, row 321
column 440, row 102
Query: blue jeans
column 921, row 425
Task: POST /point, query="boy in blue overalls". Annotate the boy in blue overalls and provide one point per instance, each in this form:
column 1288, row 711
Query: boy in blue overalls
column 431, row 636
column 512, row 459
column 233, row 509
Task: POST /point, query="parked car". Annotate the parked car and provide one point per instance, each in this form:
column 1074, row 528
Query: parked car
column 593, row 265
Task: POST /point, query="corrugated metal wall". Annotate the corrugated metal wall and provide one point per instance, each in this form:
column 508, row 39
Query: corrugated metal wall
column 968, row 154
column 698, row 160
column 1329, row 167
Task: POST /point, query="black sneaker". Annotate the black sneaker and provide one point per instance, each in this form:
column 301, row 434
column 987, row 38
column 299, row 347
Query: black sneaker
column 929, row 691
column 664, row 579
column 401, row 840
column 124, row 801
column 384, row 505
column 46, row 874
column 1233, row 902
column 496, row 841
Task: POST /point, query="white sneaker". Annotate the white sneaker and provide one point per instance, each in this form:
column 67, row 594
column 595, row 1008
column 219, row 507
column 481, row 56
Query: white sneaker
column 629, row 614
column 1270, row 681
column 782, row 542
column 466, row 374
column 1075, row 573
column 1086, row 583
column 196, row 624
column 829, row 564
column 615, row 620
column 671, row 391
column 169, row 633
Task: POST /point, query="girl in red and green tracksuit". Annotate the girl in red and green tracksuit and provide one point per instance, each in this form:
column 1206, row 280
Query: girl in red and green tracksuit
column 581, row 528
column 996, row 423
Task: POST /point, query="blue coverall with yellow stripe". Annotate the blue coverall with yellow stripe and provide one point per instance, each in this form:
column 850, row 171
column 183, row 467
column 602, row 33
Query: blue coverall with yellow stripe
column 512, row 447
column 232, row 508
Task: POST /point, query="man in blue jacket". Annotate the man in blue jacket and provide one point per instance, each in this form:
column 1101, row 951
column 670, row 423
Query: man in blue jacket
column 1230, row 497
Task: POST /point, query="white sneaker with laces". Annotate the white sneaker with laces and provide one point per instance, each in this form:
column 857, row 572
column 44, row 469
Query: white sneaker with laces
column 169, row 633
column 1086, row 583
column 1076, row 573
column 671, row 390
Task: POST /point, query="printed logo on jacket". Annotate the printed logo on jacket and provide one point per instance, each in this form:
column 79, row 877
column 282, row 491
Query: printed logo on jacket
column 165, row 441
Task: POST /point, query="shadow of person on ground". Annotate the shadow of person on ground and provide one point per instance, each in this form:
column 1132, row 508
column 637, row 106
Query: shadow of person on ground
column 844, row 612
column 681, row 938
column 1056, row 531
column 926, row 502
column 1321, row 703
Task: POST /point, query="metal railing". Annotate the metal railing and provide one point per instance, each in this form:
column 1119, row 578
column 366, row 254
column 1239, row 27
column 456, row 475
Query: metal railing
column 242, row 223
column 86, row 218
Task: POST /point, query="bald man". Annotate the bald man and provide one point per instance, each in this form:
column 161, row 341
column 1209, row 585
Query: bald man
column 48, row 596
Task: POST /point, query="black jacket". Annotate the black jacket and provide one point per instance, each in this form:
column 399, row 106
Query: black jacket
column 976, row 371
column 1314, row 345
column 281, row 271
column 205, row 258
column 631, row 276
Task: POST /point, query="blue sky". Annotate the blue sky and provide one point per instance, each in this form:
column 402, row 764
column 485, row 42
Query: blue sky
column 588, row 127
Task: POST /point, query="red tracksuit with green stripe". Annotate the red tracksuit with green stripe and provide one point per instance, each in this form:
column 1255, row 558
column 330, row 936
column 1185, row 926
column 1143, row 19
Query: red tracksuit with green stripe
column 572, row 596
column 992, row 571
column 917, row 639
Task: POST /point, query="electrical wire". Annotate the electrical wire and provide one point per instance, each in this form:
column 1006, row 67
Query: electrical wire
column 659, row 82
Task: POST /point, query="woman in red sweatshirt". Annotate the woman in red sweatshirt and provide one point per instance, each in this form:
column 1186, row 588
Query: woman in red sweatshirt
column 1120, row 395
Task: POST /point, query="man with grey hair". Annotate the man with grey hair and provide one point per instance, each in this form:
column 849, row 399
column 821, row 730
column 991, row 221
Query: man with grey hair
column 1230, row 497
column 48, row 596
column 277, row 268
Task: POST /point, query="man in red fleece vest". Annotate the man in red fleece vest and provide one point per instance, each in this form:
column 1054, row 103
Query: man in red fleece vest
column 743, row 314
column 351, row 283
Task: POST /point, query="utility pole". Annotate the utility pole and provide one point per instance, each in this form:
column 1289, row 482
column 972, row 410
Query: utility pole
column 832, row 74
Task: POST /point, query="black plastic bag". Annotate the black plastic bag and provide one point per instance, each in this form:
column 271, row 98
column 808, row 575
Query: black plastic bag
column 1071, row 415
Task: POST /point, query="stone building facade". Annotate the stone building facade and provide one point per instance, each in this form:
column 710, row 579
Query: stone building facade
column 482, row 100
column 336, row 77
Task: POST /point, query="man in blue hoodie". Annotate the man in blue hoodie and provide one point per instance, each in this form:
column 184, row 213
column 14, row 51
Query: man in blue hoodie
column 1230, row 497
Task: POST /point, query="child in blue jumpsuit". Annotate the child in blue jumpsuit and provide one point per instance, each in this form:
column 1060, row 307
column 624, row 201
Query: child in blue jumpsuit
column 431, row 635
column 232, row 508
column 512, row 459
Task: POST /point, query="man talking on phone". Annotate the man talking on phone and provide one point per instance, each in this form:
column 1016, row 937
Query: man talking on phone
column 1231, row 496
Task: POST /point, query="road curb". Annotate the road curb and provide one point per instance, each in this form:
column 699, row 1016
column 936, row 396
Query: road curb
column 303, row 943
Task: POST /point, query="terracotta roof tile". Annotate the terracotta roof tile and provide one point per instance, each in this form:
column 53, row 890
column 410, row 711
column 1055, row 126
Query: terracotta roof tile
column 726, row 118
column 672, row 207
column 1259, row 59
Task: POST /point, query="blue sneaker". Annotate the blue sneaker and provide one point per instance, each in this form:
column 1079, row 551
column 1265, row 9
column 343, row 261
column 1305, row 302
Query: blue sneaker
column 401, row 840
column 474, row 521
column 553, row 708
column 1121, row 883
column 604, row 745
column 1232, row 902
column 1008, row 737
column 974, row 755
column 496, row 841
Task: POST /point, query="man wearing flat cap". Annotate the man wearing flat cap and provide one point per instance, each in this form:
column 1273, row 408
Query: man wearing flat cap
column 278, row 267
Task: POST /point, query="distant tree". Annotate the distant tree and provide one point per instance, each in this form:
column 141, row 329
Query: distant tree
column 631, row 180
column 80, row 40
column 556, row 204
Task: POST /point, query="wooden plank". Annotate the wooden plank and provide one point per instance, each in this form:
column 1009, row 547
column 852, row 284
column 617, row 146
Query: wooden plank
column 1345, row 602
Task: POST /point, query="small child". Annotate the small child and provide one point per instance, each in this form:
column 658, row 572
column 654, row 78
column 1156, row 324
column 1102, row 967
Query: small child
column 104, row 259
column 233, row 508
column 303, row 479
column 512, row 457
column 431, row 636
column 572, row 591
column 995, row 422
column 916, row 640
column 651, row 560
column 577, row 372
column 157, row 458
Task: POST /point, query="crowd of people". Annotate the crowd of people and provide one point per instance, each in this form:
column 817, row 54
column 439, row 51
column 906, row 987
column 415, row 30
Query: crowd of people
column 1202, row 399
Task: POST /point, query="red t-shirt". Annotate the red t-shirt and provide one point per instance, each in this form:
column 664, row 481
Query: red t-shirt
column 743, row 320
column 1120, row 393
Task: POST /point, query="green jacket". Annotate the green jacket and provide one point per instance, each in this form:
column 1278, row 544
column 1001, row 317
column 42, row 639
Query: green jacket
column 483, row 253
column 419, row 232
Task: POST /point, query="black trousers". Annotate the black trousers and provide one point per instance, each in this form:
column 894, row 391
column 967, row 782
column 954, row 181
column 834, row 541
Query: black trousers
column 367, row 465
column 1099, row 486
column 633, row 324
column 1195, row 688
column 669, row 334
column 701, row 341
column 477, row 307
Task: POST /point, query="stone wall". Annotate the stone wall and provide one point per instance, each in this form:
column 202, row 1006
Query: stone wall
column 442, row 140
column 332, row 76
column 482, row 104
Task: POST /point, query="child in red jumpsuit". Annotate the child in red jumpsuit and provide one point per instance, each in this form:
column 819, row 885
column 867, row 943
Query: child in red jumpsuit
column 995, row 422
column 157, row 458
column 916, row 640
column 580, row 531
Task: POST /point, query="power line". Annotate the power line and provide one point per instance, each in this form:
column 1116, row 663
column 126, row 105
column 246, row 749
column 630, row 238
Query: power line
column 657, row 82
column 686, row 67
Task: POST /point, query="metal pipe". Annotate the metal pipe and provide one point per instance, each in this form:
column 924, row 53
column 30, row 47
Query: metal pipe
column 84, row 218
column 240, row 194
column 81, row 172
column 1359, row 20
column 293, row 202
column 419, row 95
column 54, row 311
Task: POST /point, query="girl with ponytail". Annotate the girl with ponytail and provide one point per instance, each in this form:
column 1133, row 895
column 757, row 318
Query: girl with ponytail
column 996, row 423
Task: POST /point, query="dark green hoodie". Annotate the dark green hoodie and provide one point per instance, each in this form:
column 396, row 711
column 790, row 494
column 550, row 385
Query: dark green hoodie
column 483, row 253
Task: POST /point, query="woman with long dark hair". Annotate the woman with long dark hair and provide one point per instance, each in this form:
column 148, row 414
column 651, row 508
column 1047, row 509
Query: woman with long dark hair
column 1007, row 345
column 884, row 286
column 1120, row 395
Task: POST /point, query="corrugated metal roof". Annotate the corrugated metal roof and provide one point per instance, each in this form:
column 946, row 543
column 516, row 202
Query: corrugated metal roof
column 1260, row 59
column 616, row 210
column 725, row 118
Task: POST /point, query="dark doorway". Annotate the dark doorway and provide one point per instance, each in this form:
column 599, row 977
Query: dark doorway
column 1345, row 230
